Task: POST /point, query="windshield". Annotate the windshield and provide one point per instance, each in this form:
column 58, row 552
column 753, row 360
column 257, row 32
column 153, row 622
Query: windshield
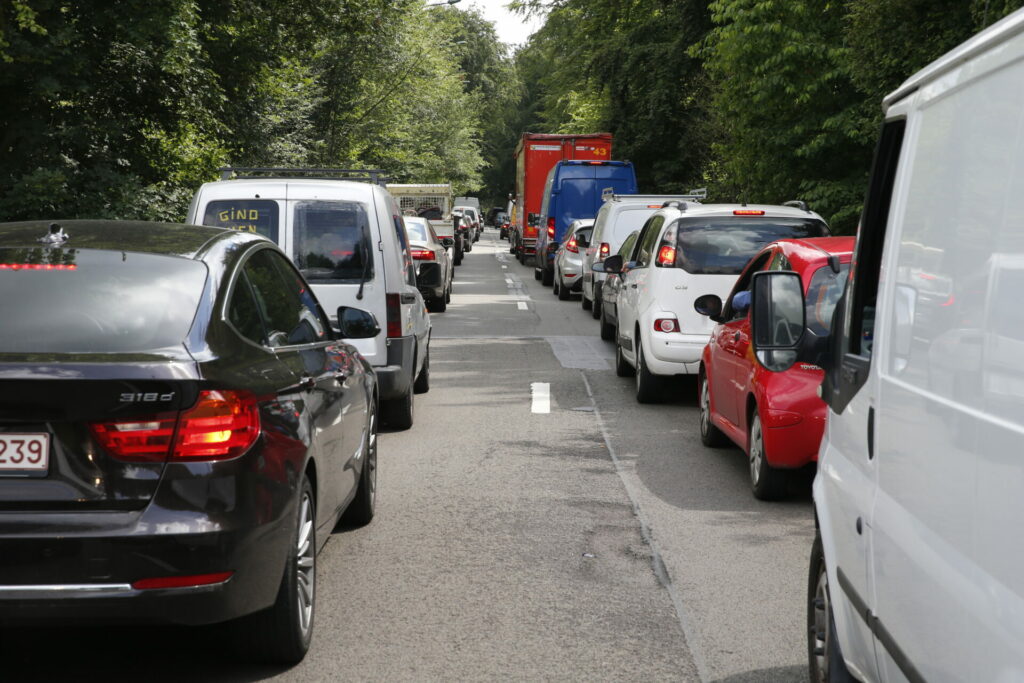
column 332, row 241
column 417, row 230
column 822, row 296
column 722, row 245
column 96, row 301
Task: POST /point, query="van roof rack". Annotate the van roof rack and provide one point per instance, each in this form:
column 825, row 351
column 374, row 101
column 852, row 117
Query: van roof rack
column 608, row 194
column 797, row 204
column 366, row 175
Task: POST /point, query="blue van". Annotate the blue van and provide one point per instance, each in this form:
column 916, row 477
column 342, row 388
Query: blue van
column 573, row 190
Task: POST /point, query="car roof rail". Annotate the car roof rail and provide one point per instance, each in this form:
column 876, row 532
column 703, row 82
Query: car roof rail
column 365, row 175
column 797, row 204
column 609, row 194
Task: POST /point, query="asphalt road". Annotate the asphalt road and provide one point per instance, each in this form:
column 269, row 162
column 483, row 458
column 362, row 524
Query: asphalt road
column 598, row 540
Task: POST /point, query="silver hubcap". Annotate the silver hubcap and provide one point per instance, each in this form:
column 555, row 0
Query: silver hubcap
column 305, row 564
column 371, row 459
column 705, row 406
column 639, row 363
column 821, row 633
column 755, row 451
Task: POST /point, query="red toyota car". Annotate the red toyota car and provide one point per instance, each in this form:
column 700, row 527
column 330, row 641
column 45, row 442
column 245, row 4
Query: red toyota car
column 776, row 417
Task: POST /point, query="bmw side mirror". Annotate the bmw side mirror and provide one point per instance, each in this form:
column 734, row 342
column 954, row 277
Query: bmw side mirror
column 777, row 318
column 709, row 305
column 355, row 323
column 613, row 264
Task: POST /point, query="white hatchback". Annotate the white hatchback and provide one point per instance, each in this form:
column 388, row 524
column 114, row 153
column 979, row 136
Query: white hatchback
column 686, row 250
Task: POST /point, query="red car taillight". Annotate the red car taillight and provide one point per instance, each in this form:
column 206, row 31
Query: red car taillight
column 182, row 581
column 605, row 250
column 667, row 255
column 222, row 424
column 422, row 254
column 666, row 325
column 571, row 246
column 394, row 306
column 551, row 227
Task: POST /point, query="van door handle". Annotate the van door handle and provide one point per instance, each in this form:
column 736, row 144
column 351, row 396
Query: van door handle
column 408, row 298
column 871, row 433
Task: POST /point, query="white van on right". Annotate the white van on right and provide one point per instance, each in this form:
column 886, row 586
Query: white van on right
column 918, row 569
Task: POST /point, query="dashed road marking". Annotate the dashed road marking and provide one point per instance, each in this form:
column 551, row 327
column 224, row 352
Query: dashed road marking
column 522, row 306
column 541, row 397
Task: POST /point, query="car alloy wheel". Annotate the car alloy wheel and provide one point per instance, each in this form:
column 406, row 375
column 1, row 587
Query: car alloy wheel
column 824, row 656
column 766, row 482
column 305, row 564
column 360, row 512
column 710, row 435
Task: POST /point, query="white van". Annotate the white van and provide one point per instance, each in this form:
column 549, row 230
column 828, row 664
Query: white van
column 685, row 250
column 620, row 215
column 916, row 573
column 348, row 239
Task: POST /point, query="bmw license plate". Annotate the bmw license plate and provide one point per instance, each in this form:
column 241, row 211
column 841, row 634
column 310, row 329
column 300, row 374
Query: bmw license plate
column 24, row 453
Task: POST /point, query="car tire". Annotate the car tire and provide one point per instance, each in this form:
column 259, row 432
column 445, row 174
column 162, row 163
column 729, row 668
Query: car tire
column 422, row 383
column 437, row 305
column 448, row 294
column 595, row 306
column 710, row 435
column 397, row 413
column 468, row 246
column 547, row 277
column 586, row 303
column 362, row 508
column 824, row 655
column 554, row 286
column 563, row 291
column 622, row 366
column 766, row 482
column 457, row 257
column 648, row 385
column 536, row 274
column 607, row 329
column 281, row 634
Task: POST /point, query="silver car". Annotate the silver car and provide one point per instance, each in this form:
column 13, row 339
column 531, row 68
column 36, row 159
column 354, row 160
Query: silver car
column 427, row 249
column 569, row 259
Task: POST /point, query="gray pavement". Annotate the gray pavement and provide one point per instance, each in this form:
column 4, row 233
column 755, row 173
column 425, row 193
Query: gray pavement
column 599, row 540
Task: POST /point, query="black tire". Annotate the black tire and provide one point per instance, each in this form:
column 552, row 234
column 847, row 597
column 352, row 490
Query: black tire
column 563, row 291
column 649, row 387
column 422, row 383
column 547, row 277
column 457, row 258
column 607, row 329
column 595, row 306
column 622, row 366
column 468, row 246
column 536, row 274
column 586, row 303
column 710, row 435
column 824, row 655
column 511, row 246
column 554, row 287
column 281, row 634
column 448, row 295
column 397, row 413
column 766, row 482
column 362, row 508
column 521, row 257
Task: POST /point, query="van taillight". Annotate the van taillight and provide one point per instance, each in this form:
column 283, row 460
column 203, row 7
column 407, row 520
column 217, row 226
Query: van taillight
column 747, row 212
column 222, row 424
column 551, row 227
column 605, row 250
column 394, row 306
column 667, row 255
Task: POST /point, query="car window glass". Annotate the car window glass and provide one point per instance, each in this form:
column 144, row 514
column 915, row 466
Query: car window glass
column 626, row 250
column 288, row 307
column 584, row 232
column 243, row 313
column 417, row 230
column 743, row 285
column 722, row 245
column 403, row 244
column 779, row 262
column 822, row 295
column 258, row 216
column 648, row 238
column 332, row 241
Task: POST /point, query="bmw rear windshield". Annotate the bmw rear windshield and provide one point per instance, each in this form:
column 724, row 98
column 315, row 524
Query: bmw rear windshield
column 722, row 245
column 59, row 300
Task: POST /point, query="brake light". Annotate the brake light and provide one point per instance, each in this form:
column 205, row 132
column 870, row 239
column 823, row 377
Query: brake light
column 551, row 227
column 654, row 206
column 182, row 581
column 394, row 306
column 222, row 424
column 605, row 250
column 142, row 440
column 38, row 266
column 422, row 254
column 747, row 212
column 666, row 325
column 571, row 245
column 597, row 163
column 667, row 255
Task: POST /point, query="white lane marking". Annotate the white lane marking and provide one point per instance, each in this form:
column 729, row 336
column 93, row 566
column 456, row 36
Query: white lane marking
column 541, row 397
column 504, row 267
column 657, row 563
column 522, row 306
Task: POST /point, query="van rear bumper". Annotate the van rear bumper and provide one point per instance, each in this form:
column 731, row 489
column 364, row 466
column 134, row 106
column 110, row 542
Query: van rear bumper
column 395, row 378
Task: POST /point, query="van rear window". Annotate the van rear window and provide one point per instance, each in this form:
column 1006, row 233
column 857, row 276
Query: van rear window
column 258, row 216
column 722, row 245
column 332, row 241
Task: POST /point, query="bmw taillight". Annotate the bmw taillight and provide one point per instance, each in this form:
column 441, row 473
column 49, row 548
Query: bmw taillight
column 604, row 250
column 422, row 254
column 666, row 325
column 394, row 310
column 551, row 227
column 221, row 424
column 571, row 245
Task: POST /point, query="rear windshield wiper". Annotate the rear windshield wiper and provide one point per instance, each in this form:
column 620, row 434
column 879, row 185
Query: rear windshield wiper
column 366, row 268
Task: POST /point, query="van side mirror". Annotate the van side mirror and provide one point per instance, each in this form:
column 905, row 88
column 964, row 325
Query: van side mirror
column 709, row 305
column 355, row 323
column 448, row 242
column 598, row 267
column 613, row 264
column 777, row 318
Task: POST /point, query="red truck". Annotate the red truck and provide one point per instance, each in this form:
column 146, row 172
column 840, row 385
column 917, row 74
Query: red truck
column 536, row 154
